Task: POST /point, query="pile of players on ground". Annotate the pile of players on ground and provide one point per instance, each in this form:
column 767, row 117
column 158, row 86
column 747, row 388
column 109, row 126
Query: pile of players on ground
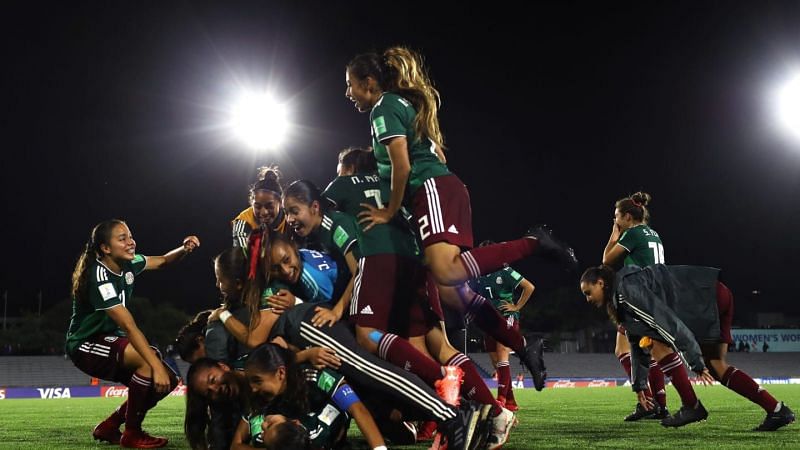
column 324, row 320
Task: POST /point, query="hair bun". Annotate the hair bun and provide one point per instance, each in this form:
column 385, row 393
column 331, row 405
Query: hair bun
column 642, row 198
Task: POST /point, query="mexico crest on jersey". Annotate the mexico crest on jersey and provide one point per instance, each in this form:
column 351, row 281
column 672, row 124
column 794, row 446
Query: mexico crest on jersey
column 498, row 280
column 129, row 277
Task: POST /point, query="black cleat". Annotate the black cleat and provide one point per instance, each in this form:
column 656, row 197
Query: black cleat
column 531, row 357
column 458, row 431
column 552, row 248
column 640, row 413
column 686, row 416
column 661, row 413
column 483, row 429
column 775, row 420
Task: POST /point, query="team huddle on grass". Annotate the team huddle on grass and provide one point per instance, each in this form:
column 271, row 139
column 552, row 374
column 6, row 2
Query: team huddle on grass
column 333, row 304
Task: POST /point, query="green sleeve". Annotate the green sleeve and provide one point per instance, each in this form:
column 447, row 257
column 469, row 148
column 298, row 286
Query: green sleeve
column 343, row 232
column 387, row 118
column 102, row 293
column 329, row 380
column 333, row 193
column 271, row 289
column 628, row 240
column 139, row 262
column 512, row 278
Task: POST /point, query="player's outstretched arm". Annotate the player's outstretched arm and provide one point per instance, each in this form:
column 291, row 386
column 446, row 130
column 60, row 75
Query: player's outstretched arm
column 156, row 262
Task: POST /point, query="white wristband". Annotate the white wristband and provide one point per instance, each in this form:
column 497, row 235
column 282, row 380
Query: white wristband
column 224, row 315
column 382, row 447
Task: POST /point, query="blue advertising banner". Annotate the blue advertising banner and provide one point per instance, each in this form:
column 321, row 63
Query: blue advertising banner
column 777, row 340
column 52, row 392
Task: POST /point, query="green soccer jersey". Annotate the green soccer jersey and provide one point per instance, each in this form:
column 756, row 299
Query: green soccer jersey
column 324, row 422
column 348, row 193
column 338, row 233
column 272, row 289
column 499, row 287
column 393, row 116
column 105, row 289
column 643, row 245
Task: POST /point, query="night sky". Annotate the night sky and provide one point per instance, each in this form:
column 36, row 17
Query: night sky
column 115, row 110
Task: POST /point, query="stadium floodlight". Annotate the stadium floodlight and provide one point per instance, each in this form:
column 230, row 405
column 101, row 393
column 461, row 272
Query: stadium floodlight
column 259, row 121
column 786, row 103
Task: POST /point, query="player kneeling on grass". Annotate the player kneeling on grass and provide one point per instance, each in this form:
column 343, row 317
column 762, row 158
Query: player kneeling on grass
column 683, row 308
column 297, row 409
column 102, row 327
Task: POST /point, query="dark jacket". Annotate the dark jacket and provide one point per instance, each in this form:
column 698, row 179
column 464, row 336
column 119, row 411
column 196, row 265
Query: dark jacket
column 676, row 305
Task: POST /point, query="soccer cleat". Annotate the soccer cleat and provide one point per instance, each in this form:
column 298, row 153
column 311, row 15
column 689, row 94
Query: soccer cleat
column 483, row 429
column 552, row 248
column 140, row 439
column 775, row 420
column 449, row 387
column 511, row 405
column 426, row 430
column 105, row 431
column 399, row 433
column 501, row 427
column 531, row 357
column 661, row 413
column 640, row 413
column 455, row 434
column 686, row 416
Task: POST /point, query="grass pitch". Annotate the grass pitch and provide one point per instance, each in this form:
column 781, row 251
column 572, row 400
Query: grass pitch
column 581, row 418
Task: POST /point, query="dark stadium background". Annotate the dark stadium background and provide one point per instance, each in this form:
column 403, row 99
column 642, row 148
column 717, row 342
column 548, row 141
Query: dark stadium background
column 552, row 111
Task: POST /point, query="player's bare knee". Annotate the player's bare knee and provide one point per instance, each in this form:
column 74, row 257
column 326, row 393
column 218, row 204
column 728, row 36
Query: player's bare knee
column 660, row 350
column 366, row 339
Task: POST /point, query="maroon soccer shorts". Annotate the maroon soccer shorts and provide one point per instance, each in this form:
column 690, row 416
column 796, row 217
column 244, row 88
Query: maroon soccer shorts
column 101, row 356
column 725, row 307
column 389, row 294
column 490, row 343
column 442, row 212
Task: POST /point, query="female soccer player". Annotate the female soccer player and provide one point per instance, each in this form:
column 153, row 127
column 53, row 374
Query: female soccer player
column 633, row 242
column 102, row 327
column 683, row 308
column 320, row 405
column 387, row 304
column 297, row 326
column 216, row 398
column 408, row 145
column 499, row 288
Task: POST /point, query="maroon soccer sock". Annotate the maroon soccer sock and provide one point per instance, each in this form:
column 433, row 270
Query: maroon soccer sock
column 117, row 418
column 510, row 396
column 138, row 392
column 473, row 387
column 482, row 260
column 656, row 378
column 401, row 353
column 155, row 397
column 625, row 360
column 673, row 367
column 504, row 379
column 489, row 320
column 741, row 383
